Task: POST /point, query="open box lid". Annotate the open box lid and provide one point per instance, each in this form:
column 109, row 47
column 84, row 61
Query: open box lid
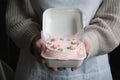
column 62, row 21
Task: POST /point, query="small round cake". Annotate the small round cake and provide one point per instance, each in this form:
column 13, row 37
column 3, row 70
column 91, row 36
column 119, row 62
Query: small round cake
column 64, row 49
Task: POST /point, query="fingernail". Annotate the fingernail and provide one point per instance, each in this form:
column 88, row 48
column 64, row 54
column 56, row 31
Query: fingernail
column 55, row 69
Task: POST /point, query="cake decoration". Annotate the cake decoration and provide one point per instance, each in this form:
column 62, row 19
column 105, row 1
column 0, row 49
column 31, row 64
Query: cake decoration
column 64, row 48
column 72, row 47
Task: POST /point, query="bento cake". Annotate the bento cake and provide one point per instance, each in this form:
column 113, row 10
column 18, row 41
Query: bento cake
column 64, row 48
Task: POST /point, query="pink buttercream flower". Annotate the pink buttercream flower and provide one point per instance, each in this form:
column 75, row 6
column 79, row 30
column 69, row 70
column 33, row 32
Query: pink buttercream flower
column 69, row 39
column 77, row 42
column 55, row 46
column 54, row 39
column 61, row 38
column 49, row 43
column 72, row 47
column 59, row 45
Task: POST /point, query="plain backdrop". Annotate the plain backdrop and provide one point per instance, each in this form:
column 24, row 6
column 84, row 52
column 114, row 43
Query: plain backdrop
column 9, row 52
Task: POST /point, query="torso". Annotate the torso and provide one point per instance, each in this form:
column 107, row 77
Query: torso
column 96, row 68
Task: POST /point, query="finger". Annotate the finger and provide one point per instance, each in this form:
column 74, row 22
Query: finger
column 55, row 69
column 41, row 42
column 38, row 44
column 74, row 68
column 39, row 50
column 86, row 45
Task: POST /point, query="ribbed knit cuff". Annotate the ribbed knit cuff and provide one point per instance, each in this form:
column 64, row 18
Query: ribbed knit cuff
column 23, row 33
column 92, row 40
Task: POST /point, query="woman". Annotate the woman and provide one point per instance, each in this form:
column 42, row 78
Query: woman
column 101, row 19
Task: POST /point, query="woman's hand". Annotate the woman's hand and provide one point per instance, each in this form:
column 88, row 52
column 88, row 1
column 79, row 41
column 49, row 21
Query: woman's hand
column 37, row 46
column 87, row 48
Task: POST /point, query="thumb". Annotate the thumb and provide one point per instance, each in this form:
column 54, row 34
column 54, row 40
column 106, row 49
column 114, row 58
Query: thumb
column 86, row 44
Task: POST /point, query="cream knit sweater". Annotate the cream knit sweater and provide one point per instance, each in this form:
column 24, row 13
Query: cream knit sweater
column 102, row 34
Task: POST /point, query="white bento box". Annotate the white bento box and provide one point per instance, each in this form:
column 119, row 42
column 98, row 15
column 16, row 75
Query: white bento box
column 63, row 22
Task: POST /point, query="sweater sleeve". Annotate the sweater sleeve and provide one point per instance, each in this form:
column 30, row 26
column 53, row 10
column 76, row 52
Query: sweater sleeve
column 20, row 22
column 102, row 34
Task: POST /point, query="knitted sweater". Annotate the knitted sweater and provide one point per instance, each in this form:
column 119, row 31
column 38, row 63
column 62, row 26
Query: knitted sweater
column 102, row 34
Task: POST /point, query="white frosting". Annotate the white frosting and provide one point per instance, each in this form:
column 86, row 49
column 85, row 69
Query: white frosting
column 66, row 44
